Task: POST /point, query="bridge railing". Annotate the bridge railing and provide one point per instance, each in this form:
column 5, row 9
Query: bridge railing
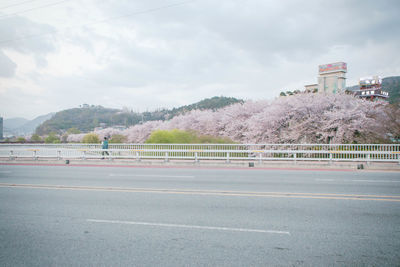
column 196, row 152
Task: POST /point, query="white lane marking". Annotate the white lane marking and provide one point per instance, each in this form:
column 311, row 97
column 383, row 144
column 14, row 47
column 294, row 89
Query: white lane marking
column 151, row 175
column 191, row 226
column 360, row 181
column 377, row 181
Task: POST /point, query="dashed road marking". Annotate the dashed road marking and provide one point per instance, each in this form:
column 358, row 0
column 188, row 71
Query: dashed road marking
column 191, row 226
column 357, row 181
column 377, row 181
column 151, row 175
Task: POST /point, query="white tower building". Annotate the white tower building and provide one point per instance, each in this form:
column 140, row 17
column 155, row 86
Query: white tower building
column 332, row 77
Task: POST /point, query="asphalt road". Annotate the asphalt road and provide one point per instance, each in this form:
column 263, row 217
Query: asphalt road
column 108, row 216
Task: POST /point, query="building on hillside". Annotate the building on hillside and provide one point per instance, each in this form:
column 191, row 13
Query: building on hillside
column 101, row 126
column 371, row 89
column 332, row 77
column 119, row 127
column 311, row 88
column 1, row 128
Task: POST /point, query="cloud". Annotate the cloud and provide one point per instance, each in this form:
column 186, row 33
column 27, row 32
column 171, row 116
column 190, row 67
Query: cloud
column 260, row 34
column 26, row 37
column 7, row 66
column 125, row 53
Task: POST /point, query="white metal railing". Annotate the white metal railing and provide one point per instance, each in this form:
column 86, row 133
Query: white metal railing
column 228, row 152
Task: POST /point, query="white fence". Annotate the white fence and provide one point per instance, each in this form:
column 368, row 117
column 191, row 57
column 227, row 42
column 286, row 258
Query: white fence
column 228, row 152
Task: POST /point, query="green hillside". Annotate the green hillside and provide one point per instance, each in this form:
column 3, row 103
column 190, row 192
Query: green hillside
column 86, row 118
column 392, row 85
column 213, row 103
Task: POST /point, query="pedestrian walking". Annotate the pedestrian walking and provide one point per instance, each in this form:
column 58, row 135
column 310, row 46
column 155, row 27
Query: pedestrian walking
column 104, row 145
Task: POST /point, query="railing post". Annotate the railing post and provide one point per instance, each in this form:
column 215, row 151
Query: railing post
column 295, row 158
column 109, row 155
column 166, row 157
column 34, row 155
column 196, row 159
column 260, row 158
column 58, row 154
column 330, row 158
column 368, row 159
column 228, row 157
column 12, row 155
column 84, row 155
column 398, row 158
column 137, row 156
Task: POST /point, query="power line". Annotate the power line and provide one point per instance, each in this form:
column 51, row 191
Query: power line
column 34, row 8
column 18, row 4
column 99, row 21
column 139, row 12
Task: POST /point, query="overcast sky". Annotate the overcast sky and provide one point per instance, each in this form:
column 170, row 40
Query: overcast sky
column 151, row 54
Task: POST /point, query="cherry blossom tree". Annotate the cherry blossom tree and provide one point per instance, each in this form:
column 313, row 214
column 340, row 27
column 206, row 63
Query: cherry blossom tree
column 301, row 118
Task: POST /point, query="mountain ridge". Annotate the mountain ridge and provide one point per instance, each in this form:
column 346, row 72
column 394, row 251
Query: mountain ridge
column 87, row 117
column 20, row 126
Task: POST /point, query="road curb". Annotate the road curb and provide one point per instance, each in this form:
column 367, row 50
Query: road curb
column 317, row 166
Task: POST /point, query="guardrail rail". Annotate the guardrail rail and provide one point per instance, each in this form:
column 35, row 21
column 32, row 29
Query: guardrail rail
column 227, row 152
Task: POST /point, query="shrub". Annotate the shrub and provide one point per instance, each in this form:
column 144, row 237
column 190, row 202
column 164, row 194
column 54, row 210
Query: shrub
column 91, row 138
column 118, row 139
column 21, row 140
column 184, row 137
column 36, row 138
column 52, row 138
column 172, row 137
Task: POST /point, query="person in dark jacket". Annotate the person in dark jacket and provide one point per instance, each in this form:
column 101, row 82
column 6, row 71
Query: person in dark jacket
column 104, row 145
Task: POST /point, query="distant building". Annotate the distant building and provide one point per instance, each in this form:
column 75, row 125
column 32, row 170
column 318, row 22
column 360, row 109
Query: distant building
column 311, row 88
column 101, row 126
column 119, row 127
column 332, row 77
column 371, row 89
column 1, row 128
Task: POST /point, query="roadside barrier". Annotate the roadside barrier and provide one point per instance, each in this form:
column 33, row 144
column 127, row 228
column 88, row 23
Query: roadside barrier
column 196, row 152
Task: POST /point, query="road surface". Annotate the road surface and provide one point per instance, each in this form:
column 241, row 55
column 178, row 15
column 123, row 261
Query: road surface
column 115, row 216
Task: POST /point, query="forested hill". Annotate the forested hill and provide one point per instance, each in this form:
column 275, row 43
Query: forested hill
column 392, row 85
column 86, row 118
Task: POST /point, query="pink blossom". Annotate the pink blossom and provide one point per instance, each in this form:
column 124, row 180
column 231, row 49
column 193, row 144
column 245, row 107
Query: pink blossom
column 302, row 118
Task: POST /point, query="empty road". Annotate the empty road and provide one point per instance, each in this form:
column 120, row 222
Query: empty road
column 116, row 216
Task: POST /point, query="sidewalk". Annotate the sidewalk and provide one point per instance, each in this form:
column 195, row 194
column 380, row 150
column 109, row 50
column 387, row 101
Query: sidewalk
column 149, row 163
